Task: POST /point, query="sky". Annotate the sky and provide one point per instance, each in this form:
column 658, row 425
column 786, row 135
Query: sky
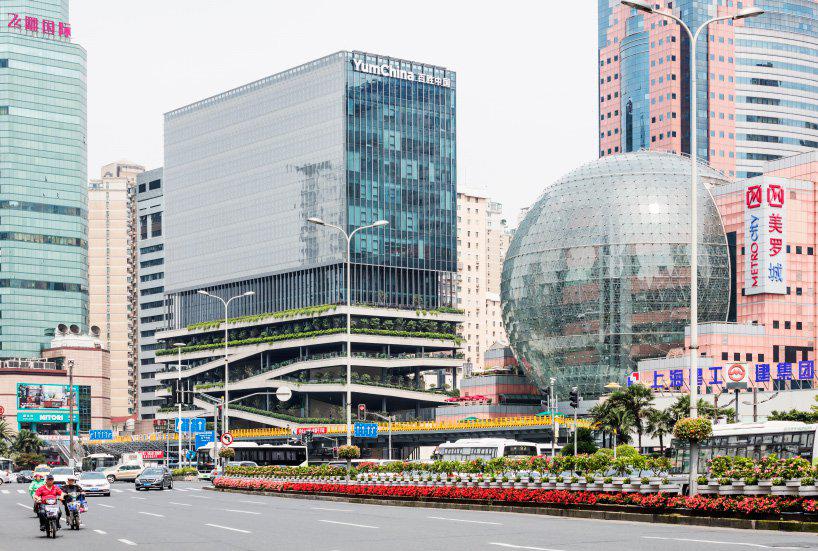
column 526, row 72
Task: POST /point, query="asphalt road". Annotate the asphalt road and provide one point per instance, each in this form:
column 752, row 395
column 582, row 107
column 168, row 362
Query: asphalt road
column 189, row 518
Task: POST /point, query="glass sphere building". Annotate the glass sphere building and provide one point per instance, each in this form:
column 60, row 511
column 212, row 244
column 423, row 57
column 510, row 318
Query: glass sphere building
column 597, row 276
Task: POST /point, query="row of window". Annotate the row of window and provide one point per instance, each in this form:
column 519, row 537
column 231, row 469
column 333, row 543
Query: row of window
column 798, row 250
column 152, row 249
column 153, row 184
column 154, row 262
column 152, row 277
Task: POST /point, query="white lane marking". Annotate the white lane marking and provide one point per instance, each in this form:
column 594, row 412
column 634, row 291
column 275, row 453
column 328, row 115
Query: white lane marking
column 104, row 505
column 5, row 492
column 331, row 509
column 228, row 528
column 755, row 545
column 134, row 497
column 510, row 546
column 21, row 491
column 29, row 507
column 117, row 490
column 348, row 524
column 200, row 497
column 193, row 489
column 253, row 502
column 240, row 511
column 181, row 490
column 151, row 514
column 470, row 521
column 100, row 532
column 126, row 542
column 182, row 504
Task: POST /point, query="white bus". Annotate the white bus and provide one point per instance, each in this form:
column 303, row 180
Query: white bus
column 754, row 440
column 282, row 455
column 98, row 460
column 468, row 449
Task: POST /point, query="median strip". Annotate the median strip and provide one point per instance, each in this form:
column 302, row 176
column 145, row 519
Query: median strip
column 229, row 528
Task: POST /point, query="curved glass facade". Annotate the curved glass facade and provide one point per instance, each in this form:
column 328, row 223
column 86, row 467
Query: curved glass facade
column 43, row 186
column 597, row 275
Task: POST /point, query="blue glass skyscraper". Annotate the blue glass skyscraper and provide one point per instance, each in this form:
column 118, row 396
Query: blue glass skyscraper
column 43, row 187
column 351, row 138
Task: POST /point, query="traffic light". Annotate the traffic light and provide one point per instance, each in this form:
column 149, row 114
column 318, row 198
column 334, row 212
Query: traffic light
column 361, row 412
column 178, row 392
column 187, row 397
column 573, row 399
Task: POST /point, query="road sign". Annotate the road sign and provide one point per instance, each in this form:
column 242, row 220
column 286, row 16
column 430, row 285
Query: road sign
column 283, row 393
column 314, row 430
column 191, row 425
column 203, row 439
column 102, row 435
column 365, row 430
column 191, row 455
column 2, row 410
column 227, row 439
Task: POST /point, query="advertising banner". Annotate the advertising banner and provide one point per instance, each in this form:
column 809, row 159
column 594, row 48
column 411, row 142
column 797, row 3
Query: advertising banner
column 765, row 237
column 45, row 403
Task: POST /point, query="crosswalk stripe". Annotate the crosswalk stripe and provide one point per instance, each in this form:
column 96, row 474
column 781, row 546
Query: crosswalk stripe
column 21, row 491
column 5, row 491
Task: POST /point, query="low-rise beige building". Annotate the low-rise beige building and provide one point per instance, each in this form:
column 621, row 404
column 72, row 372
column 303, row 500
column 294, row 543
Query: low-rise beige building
column 482, row 241
column 34, row 392
column 111, row 280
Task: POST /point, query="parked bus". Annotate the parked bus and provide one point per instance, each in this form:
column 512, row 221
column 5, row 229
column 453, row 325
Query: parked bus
column 754, row 440
column 283, row 455
column 96, row 460
column 468, row 449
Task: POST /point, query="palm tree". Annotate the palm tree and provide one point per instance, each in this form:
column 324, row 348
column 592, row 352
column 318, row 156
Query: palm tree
column 26, row 442
column 681, row 409
column 612, row 419
column 659, row 423
column 636, row 399
column 6, row 432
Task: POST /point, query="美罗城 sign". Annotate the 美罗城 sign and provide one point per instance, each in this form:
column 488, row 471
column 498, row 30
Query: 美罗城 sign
column 765, row 241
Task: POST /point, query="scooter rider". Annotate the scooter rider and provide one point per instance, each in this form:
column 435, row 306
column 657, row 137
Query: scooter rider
column 70, row 489
column 37, row 481
column 44, row 492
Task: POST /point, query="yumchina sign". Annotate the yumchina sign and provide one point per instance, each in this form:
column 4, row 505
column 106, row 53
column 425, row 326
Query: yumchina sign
column 42, row 27
column 387, row 70
column 765, row 238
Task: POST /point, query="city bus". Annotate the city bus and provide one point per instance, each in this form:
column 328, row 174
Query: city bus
column 282, row 455
column 96, row 460
column 468, row 449
column 754, row 440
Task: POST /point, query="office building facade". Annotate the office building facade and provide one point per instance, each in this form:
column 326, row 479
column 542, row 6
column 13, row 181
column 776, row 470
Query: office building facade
column 351, row 138
column 112, row 278
column 757, row 99
column 482, row 241
column 43, row 188
column 151, row 266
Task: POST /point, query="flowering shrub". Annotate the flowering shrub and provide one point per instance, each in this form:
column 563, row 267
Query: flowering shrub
column 656, row 502
column 349, row 452
column 693, row 430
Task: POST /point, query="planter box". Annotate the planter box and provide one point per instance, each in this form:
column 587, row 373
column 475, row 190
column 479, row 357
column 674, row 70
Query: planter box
column 808, row 491
column 670, row 488
column 784, row 490
column 792, row 483
column 611, row 487
column 729, row 490
column 630, row 487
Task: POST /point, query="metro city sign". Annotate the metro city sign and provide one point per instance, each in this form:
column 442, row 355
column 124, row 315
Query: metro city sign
column 387, row 70
column 45, row 27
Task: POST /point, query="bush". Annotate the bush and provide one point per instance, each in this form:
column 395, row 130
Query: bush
column 227, row 453
column 349, row 452
column 626, row 450
column 692, row 430
column 184, row 471
column 28, row 460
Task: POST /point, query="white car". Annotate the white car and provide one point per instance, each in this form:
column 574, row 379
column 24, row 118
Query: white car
column 93, row 482
column 6, row 477
column 61, row 474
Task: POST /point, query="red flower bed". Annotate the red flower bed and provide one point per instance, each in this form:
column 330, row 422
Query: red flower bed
column 766, row 505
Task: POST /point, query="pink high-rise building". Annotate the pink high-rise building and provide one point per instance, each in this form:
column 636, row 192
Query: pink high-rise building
column 758, row 82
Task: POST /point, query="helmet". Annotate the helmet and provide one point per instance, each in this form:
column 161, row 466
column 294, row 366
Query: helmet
column 37, row 475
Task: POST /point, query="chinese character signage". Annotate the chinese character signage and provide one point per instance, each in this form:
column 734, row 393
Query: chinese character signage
column 765, row 242
column 718, row 376
column 387, row 70
column 35, row 25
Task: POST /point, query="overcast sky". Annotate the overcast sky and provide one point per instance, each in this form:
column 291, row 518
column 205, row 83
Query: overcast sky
column 526, row 71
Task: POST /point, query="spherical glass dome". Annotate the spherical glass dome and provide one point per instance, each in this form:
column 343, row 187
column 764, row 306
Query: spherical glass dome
column 597, row 275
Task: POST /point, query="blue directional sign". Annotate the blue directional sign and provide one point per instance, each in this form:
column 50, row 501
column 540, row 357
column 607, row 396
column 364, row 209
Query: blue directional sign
column 190, row 425
column 365, row 430
column 102, row 435
column 203, row 439
column 191, row 455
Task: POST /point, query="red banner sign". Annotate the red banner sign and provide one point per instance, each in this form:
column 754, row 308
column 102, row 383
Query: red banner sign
column 314, row 430
column 152, row 454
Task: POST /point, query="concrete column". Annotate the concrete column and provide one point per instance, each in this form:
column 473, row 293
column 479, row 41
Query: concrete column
column 383, row 404
column 417, row 377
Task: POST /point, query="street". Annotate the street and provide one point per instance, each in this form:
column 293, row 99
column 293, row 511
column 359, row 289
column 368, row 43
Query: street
column 190, row 518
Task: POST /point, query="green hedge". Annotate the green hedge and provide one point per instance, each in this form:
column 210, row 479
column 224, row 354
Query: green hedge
column 185, row 471
column 310, row 334
column 285, row 417
column 309, row 311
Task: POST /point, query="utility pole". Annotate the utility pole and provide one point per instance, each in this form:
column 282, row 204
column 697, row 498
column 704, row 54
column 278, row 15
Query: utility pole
column 72, row 396
column 574, row 403
column 755, row 404
column 553, row 413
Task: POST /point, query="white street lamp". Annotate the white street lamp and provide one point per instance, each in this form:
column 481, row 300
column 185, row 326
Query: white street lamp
column 348, row 263
column 178, row 346
column 645, row 7
column 225, row 418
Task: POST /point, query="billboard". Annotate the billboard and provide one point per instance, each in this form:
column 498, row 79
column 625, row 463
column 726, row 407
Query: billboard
column 45, row 403
column 765, row 237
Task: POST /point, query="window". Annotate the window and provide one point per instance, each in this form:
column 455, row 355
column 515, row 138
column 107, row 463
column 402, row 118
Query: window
column 798, row 248
column 748, row 357
column 724, row 355
column 141, row 188
column 154, row 262
column 143, row 227
column 810, row 251
column 798, row 325
column 156, row 224
column 775, row 322
column 761, row 357
column 787, row 324
column 159, row 247
column 799, row 291
column 736, row 355
column 4, row 63
column 155, row 184
column 4, row 109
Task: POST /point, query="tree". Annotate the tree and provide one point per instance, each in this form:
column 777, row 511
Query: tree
column 6, row 432
column 27, row 442
column 681, row 409
column 613, row 418
column 28, row 460
column 585, row 443
column 636, row 400
column 659, row 423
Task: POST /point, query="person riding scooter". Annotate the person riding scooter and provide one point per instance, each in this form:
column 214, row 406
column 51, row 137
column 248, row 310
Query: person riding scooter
column 73, row 492
column 37, row 480
column 45, row 492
